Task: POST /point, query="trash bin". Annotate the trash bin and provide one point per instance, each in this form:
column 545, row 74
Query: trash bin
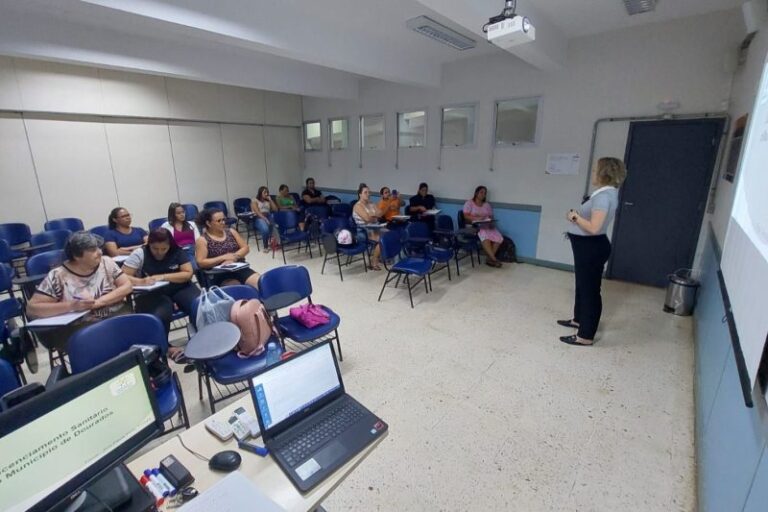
column 681, row 293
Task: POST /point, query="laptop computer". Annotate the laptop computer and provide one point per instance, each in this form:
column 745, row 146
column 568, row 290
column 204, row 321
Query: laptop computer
column 309, row 423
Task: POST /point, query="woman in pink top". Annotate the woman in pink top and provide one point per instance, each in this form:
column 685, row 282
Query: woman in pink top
column 184, row 232
column 477, row 209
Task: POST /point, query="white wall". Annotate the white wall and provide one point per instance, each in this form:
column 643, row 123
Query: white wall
column 77, row 163
column 621, row 73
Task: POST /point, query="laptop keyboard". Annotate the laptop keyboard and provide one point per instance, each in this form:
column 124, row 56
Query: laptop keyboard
column 338, row 419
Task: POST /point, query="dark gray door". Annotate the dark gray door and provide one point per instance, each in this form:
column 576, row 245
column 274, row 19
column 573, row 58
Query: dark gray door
column 662, row 202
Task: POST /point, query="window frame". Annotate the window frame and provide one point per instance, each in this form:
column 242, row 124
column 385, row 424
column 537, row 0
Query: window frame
column 426, row 124
column 330, row 133
column 537, row 130
column 475, row 107
column 304, row 132
column 362, row 132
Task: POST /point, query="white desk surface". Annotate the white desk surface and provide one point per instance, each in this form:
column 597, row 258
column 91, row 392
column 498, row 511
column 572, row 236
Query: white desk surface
column 263, row 471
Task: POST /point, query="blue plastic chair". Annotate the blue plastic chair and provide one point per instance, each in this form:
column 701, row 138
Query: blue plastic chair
column 334, row 250
column 190, row 211
column 15, row 233
column 391, row 250
column 229, row 371
column 221, row 205
column 288, row 228
column 463, row 244
column 343, row 210
column 417, row 237
column 6, row 256
column 156, row 223
column 9, row 379
column 42, row 263
column 110, row 337
column 295, row 278
column 10, row 307
column 57, row 237
column 100, row 230
column 71, row 223
column 242, row 207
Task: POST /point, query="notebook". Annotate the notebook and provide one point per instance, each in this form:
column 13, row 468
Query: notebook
column 309, row 423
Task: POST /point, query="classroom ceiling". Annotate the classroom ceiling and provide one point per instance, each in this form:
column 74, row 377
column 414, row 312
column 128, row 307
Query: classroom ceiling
column 319, row 48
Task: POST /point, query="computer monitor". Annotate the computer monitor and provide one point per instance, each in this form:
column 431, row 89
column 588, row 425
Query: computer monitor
column 56, row 443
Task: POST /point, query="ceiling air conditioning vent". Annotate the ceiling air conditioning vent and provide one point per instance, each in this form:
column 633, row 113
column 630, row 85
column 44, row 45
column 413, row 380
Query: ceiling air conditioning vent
column 639, row 6
column 440, row 33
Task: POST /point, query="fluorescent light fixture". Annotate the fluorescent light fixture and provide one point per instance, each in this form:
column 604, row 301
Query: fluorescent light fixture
column 639, row 6
column 440, row 33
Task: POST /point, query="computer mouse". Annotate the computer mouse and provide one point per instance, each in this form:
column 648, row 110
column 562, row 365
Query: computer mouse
column 228, row 460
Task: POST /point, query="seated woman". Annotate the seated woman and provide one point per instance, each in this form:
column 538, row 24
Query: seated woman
column 219, row 245
column 365, row 212
column 86, row 281
column 122, row 239
column 285, row 201
column 477, row 209
column 390, row 204
column 262, row 206
column 184, row 232
column 162, row 260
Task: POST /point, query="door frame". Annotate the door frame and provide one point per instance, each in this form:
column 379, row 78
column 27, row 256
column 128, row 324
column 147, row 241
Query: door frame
column 704, row 193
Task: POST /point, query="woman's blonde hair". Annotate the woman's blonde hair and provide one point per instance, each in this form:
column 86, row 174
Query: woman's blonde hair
column 611, row 171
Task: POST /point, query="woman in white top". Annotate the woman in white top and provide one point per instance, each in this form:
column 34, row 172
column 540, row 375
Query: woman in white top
column 262, row 207
column 184, row 232
column 591, row 248
column 365, row 212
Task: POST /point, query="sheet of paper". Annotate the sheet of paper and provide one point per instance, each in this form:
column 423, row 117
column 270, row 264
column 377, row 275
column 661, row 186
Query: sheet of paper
column 121, row 258
column 52, row 321
column 233, row 493
column 434, row 211
column 563, row 164
column 148, row 287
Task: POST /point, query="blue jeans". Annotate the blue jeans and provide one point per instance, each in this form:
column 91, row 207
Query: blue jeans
column 264, row 228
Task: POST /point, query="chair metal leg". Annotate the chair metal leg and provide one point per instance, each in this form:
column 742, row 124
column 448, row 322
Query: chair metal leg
column 427, row 282
column 338, row 260
column 183, row 403
column 386, row 280
column 210, row 394
column 282, row 247
column 322, row 270
column 408, row 283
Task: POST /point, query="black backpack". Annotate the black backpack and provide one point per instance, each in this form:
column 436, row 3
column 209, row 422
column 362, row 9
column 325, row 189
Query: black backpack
column 507, row 251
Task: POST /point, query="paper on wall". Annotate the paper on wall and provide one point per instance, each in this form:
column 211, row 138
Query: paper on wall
column 563, row 163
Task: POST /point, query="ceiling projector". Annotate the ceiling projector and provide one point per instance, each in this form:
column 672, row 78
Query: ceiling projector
column 511, row 32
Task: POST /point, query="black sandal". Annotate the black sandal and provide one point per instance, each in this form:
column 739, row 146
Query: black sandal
column 572, row 340
column 568, row 323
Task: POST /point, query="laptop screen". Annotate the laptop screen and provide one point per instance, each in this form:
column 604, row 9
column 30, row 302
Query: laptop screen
column 293, row 386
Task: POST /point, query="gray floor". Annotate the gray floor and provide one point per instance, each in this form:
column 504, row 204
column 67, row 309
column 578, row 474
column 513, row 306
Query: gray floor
column 489, row 411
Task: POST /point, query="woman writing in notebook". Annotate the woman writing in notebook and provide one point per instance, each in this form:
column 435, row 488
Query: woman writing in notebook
column 365, row 213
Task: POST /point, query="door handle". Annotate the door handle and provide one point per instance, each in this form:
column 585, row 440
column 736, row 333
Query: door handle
column 627, row 203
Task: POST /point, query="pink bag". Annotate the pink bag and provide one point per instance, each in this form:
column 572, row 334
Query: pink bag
column 310, row 315
column 255, row 326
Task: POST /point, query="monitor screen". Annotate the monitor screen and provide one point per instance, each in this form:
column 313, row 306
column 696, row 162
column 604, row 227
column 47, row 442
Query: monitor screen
column 294, row 385
column 55, row 443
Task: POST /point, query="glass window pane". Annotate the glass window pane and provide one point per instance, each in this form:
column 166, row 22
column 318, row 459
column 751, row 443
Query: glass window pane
column 412, row 129
column 372, row 132
column 458, row 126
column 339, row 133
column 312, row 137
column 516, row 121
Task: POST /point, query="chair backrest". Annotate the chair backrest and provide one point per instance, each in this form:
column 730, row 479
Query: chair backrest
column 110, row 337
column 42, row 263
column 417, row 229
column 286, row 220
column 57, row 237
column 288, row 278
column 71, row 223
column 9, row 378
column 341, row 210
column 390, row 245
column 5, row 252
column 191, row 211
column 241, row 205
column 330, row 245
column 99, row 230
column 444, row 222
column 221, row 205
column 156, row 223
column 462, row 223
column 331, row 224
column 296, row 198
column 6, row 277
column 321, row 212
column 15, row 233
column 331, row 197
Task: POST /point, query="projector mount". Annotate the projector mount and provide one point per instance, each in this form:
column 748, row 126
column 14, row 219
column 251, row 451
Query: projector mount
column 510, row 6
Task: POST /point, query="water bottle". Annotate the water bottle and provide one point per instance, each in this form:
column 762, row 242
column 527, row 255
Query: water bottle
column 273, row 353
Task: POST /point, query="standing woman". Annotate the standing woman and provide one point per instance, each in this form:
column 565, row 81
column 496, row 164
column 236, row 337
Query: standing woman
column 220, row 244
column 183, row 231
column 262, row 207
column 122, row 239
column 591, row 248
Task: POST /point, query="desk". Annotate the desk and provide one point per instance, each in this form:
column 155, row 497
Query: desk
column 262, row 471
column 213, row 340
column 32, row 248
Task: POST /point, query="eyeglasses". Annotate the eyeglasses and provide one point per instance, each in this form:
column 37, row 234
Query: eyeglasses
column 220, row 220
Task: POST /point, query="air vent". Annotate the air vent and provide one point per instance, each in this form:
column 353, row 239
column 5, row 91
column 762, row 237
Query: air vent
column 440, row 33
column 639, row 6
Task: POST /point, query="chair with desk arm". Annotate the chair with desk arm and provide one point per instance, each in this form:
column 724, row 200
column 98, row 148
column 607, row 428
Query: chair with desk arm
column 103, row 340
column 287, row 222
column 156, row 223
column 71, row 223
column 56, row 238
column 398, row 267
column 241, row 207
column 294, row 281
column 334, row 250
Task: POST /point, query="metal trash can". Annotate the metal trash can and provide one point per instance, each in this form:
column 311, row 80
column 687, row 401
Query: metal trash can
column 681, row 293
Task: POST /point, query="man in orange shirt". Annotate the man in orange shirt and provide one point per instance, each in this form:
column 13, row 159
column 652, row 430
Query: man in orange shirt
column 390, row 204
